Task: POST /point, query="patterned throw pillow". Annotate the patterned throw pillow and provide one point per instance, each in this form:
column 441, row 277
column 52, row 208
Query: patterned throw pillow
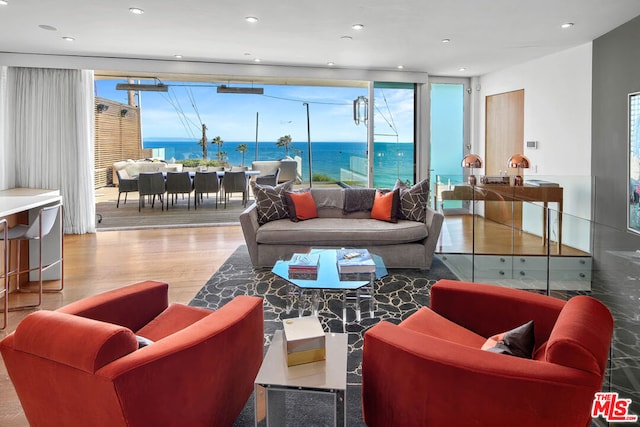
column 413, row 200
column 271, row 203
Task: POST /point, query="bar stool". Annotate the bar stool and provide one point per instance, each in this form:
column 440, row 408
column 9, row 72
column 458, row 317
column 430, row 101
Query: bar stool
column 38, row 229
column 4, row 292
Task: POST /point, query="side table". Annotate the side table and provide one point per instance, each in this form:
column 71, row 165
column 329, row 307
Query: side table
column 275, row 379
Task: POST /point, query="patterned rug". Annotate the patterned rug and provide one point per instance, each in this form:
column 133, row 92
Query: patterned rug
column 397, row 296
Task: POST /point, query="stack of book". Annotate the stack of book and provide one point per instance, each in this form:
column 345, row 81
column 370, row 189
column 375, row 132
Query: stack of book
column 355, row 264
column 304, row 266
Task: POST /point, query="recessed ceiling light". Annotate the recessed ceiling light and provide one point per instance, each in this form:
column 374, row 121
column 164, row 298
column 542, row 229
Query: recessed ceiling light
column 357, row 26
column 446, row 40
column 48, row 27
column 400, row 67
column 3, row 2
column 68, row 39
column 567, row 25
column 177, row 56
column 251, row 19
column 462, row 69
column 136, row 10
column 346, row 38
column 256, row 60
column 331, row 64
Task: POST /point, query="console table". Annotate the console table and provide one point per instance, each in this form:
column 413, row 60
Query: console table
column 22, row 205
column 510, row 193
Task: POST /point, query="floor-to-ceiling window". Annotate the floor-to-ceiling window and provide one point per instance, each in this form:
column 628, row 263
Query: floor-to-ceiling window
column 393, row 133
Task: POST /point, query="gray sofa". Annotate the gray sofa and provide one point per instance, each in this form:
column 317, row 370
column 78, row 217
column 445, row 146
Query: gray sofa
column 405, row 244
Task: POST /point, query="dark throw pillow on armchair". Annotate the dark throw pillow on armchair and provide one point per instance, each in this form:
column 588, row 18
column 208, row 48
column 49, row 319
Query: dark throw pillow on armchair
column 516, row 342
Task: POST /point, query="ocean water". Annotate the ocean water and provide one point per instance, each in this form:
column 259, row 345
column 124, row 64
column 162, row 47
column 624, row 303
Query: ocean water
column 333, row 159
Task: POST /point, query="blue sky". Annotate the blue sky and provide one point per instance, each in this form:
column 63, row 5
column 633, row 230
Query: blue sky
column 178, row 113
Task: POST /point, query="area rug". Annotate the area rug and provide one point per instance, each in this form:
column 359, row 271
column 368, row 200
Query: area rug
column 397, row 296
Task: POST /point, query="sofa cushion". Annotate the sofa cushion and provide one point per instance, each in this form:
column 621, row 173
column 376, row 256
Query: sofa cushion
column 341, row 232
column 385, row 206
column 517, row 342
column 271, row 203
column 413, row 200
column 301, row 205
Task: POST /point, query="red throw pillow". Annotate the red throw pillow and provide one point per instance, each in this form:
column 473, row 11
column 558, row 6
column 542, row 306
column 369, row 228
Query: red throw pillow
column 385, row 206
column 301, row 206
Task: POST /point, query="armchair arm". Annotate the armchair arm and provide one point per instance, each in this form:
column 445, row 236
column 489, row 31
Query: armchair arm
column 409, row 378
column 74, row 341
column 249, row 224
column 489, row 309
column 218, row 357
column 131, row 306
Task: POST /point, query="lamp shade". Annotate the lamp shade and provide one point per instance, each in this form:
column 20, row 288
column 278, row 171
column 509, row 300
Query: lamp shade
column 472, row 161
column 518, row 161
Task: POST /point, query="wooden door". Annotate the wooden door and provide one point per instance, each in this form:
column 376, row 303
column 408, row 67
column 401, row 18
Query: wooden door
column 504, row 137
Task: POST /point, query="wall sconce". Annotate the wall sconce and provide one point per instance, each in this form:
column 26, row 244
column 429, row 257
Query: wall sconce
column 472, row 161
column 125, row 112
column 361, row 110
column 102, row 108
column 520, row 162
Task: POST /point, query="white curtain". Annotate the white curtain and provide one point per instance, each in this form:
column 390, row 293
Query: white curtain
column 7, row 167
column 52, row 129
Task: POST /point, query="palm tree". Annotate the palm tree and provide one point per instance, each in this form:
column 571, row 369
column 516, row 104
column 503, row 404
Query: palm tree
column 218, row 141
column 242, row 148
column 285, row 141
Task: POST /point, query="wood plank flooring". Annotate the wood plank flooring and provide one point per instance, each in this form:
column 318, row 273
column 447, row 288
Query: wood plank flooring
column 183, row 257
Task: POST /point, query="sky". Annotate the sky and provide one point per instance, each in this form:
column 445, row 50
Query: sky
column 281, row 111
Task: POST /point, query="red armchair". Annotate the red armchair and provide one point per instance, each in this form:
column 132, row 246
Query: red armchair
column 430, row 370
column 80, row 365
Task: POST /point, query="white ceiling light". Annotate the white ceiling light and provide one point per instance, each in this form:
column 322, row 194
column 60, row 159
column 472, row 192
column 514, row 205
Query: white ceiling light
column 251, row 19
column 256, row 60
column 136, row 10
column 177, row 56
column 68, row 39
column 331, row 64
column 446, row 40
column 357, row 26
column 3, row 2
column 567, row 25
column 48, row 27
column 462, row 69
column 400, row 67
column 346, row 38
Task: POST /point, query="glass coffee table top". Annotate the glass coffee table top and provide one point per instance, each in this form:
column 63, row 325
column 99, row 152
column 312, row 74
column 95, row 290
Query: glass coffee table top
column 328, row 279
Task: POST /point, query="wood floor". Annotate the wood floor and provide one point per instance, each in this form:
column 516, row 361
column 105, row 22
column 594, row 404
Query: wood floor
column 183, row 257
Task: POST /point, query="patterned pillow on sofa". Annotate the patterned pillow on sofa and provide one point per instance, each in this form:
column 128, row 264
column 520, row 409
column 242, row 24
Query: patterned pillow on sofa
column 271, row 202
column 413, row 200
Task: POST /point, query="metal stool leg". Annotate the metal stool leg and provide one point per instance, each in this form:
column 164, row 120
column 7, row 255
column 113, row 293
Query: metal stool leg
column 4, row 292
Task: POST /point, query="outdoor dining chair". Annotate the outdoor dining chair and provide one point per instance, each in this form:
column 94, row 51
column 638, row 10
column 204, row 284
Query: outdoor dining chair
column 126, row 184
column 235, row 182
column 151, row 184
column 179, row 183
column 205, row 183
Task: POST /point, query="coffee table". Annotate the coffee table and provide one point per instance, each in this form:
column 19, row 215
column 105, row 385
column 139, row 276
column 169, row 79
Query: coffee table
column 325, row 378
column 329, row 280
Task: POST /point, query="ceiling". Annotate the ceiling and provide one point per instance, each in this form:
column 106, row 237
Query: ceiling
column 485, row 35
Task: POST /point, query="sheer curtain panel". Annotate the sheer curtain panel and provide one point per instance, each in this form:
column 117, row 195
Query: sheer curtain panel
column 7, row 166
column 51, row 125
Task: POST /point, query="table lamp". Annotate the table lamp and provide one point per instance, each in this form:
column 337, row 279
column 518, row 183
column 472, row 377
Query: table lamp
column 520, row 162
column 471, row 161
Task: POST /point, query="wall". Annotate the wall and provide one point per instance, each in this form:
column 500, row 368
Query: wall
column 557, row 114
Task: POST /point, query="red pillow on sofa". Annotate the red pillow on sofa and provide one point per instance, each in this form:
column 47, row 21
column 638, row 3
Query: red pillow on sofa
column 385, row 206
column 301, row 205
